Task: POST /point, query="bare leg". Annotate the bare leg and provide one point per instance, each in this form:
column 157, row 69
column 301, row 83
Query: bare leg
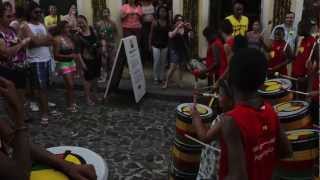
column 87, row 91
column 171, row 71
column 68, row 81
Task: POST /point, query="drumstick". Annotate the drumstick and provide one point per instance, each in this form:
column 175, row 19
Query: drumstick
column 277, row 74
column 204, row 144
column 209, row 95
column 298, row 92
column 313, row 48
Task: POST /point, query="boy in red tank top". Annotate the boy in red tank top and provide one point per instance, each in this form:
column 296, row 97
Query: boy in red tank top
column 280, row 53
column 303, row 55
column 251, row 138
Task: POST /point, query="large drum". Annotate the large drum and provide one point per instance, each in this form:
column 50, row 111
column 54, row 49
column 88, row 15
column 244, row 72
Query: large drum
column 184, row 121
column 305, row 145
column 276, row 90
column 186, row 158
column 76, row 155
column 175, row 174
column 294, row 115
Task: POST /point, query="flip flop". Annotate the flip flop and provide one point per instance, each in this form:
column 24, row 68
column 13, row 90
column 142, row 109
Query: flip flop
column 44, row 122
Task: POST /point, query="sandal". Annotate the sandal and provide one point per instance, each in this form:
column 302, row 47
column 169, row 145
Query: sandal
column 44, row 122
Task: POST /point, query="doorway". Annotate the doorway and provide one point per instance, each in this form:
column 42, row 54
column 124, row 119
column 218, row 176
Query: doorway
column 62, row 5
column 219, row 9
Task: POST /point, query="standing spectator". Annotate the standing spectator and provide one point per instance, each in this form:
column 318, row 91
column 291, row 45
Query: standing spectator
column 13, row 65
column 290, row 31
column 131, row 19
column 148, row 11
column 71, row 17
column 52, row 20
column 179, row 42
column 108, row 33
column 65, row 55
column 159, row 43
column 90, row 61
column 280, row 53
column 255, row 37
column 19, row 18
column 239, row 22
column 39, row 56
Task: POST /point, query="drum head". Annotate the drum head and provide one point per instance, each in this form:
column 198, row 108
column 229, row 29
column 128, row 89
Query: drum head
column 291, row 109
column 275, row 86
column 88, row 156
column 302, row 135
column 185, row 110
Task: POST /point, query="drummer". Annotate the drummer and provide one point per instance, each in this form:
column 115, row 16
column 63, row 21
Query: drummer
column 250, row 135
column 17, row 165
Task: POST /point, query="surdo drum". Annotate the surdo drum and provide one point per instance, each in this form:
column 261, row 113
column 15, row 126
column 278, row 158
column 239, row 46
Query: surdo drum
column 294, row 115
column 276, row 90
column 76, row 155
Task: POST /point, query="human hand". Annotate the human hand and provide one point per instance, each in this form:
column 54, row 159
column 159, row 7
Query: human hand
column 25, row 41
column 80, row 172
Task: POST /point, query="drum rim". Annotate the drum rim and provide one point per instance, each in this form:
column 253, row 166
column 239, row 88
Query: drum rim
column 206, row 117
column 313, row 137
column 301, row 112
column 179, row 143
column 174, row 169
column 280, row 92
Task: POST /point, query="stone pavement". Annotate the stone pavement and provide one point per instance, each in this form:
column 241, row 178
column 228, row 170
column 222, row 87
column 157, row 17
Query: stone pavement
column 134, row 139
column 173, row 92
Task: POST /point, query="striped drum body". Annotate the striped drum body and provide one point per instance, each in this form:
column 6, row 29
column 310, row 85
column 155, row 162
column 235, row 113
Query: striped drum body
column 305, row 145
column 294, row 115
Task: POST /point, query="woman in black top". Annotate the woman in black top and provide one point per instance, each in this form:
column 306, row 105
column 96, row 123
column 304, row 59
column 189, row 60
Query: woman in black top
column 158, row 41
column 179, row 42
column 88, row 42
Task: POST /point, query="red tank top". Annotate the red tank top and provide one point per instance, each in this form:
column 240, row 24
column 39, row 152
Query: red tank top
column 223, row 58
column 258, row 130
column 299, row 65
column 278, row 56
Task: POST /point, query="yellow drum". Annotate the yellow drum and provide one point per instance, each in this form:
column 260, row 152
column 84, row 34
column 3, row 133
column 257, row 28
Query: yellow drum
column 305, row 145
column 76, row 155
column 294, row 115
column 184, row 121
column 276, row 90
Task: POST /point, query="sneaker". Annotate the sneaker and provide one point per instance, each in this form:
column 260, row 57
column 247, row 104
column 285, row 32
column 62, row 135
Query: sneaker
column 34, row 107
column 51, row 104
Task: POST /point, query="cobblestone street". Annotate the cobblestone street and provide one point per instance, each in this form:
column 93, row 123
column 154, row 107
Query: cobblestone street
column 134, row 140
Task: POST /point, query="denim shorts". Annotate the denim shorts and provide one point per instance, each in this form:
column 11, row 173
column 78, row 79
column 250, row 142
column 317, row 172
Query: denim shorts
column 39, row 75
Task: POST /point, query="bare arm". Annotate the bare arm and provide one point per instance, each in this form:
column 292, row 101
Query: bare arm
column 36, row 41
column 21, row 153
column 236, row 155
column 216, row 57
column 151, row 33
column 11, row 51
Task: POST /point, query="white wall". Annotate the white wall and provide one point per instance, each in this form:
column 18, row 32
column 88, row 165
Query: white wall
column 85, row 8
column 203, row 20
column 177, row 7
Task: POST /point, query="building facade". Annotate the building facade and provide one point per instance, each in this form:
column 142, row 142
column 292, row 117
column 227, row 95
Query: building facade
column 201, row 12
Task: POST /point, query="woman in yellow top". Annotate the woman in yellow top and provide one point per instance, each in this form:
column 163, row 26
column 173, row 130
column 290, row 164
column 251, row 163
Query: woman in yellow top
column 52, row 20
column 239, row 22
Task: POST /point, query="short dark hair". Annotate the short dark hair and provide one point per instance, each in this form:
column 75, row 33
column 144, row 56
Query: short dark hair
column 30, row 7
column 176, row 17
column 234, row 2
column 240, row 42
column 279, row 28
column 226, row 27
column 248, row 70
column 290, row 12
column 158, row 12
column 83, row 17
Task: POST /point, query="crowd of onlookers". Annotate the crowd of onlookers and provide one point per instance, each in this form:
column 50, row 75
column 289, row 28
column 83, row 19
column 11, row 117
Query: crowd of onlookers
column 35, row 45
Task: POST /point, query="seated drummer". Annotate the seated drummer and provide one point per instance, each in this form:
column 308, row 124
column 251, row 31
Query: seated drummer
column 17, row 166
column 251, row 137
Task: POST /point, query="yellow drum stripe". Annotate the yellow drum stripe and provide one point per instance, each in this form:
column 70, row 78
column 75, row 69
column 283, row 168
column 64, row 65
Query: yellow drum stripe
column 184, row 126
column 286, row 98
column 304, row 155
column 191, row 158
column 301, row 123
